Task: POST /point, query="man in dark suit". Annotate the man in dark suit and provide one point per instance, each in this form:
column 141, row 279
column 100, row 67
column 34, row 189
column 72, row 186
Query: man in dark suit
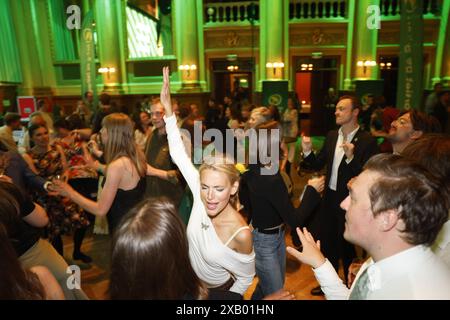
column 344, row 154
column 15, row 170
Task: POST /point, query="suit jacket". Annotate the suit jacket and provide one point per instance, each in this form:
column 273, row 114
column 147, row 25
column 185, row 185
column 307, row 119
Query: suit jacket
column 365, row 147
column 21, row 174
column 157, row 155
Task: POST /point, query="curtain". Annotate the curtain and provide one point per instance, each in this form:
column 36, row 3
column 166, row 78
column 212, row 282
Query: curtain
column 10, row 70
column 62, row 37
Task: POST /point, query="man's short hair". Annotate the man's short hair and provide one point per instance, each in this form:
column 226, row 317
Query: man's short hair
column 419, row 120
column 406, row 186
column 185, row 110
column 354, row 101
column 432, row 151
column 105, row 99
column 155, row 100
column 11, row 117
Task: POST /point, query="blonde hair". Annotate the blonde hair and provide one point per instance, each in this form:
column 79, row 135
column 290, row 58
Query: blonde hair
column 121, row 141
column 262, row 113
column 221, row 163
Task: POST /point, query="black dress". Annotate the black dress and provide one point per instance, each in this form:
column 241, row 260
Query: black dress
column 123, row 202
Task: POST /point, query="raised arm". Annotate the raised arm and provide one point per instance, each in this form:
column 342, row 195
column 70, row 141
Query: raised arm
column 324, row 272
column 176, row 146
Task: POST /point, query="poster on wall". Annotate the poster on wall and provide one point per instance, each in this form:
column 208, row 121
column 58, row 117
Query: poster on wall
column 26, row 105
column 87, row 60
column 410, row 71
column 275, row 93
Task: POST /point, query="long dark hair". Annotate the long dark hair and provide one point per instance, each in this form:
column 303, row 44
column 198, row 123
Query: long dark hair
column 150, row 255
column 136, row 117
column 31, row 129
column 121, row 141
column 15, row 283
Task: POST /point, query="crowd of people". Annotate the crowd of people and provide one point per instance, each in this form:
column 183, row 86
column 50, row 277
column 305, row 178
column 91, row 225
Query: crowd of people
column 188, row 226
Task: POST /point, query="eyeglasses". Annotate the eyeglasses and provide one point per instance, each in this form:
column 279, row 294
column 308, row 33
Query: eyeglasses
column 156, row 114
column 403, row 122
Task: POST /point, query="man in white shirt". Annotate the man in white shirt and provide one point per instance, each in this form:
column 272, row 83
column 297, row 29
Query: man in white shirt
column 394, row 211
column 344, row 153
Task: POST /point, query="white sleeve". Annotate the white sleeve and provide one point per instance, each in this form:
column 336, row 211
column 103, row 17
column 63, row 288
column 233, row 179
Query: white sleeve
column 187, row 145
column 244, row 276
column 179, row 156
column 331, row 284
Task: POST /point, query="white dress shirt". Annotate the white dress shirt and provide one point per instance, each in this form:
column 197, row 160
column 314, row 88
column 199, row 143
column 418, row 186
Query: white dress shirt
column 413, row 274
column 338, row 155
column 441, row 246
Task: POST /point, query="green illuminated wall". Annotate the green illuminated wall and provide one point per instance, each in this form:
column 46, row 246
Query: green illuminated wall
column 10, row 70
column 41, row 54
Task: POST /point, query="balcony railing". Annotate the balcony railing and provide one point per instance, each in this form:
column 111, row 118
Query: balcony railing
column 231, row 12
column 316, row 9
column 390, row 8
column 247, row 12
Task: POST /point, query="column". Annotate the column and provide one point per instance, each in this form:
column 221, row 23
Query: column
column 187, row 42
column 365, row 42
column 273, row 39
column 110, row 43
column 86, row 6
column 444, row 34
column 350, row 30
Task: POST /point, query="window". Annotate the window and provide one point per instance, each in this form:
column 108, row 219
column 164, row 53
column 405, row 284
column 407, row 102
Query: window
column 149, row 28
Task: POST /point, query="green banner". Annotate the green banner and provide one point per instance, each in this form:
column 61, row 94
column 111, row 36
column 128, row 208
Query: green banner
column 275, row 93
column 87, row 57
column 410, row 73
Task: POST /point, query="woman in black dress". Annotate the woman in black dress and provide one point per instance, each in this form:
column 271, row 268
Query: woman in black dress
column 125, row 172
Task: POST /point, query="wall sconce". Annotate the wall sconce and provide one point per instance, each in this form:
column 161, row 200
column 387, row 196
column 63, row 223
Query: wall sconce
column 107, row 70
column 232, row 68
column 308, row 67
column 385, row 65
column 365, row 64
column 274, row 66
column 187, row 68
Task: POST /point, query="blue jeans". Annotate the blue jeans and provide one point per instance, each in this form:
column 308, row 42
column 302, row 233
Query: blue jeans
column 270, row 250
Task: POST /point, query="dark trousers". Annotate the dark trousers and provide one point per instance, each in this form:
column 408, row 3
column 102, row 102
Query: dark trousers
column 331, row 232
column 88, row 188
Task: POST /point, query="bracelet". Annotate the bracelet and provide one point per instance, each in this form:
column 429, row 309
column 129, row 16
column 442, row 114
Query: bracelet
column 46, row 184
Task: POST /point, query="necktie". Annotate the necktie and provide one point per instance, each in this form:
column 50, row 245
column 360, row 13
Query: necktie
column 361, row 288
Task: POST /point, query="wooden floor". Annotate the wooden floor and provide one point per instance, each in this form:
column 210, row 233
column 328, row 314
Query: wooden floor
column 299, row 278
